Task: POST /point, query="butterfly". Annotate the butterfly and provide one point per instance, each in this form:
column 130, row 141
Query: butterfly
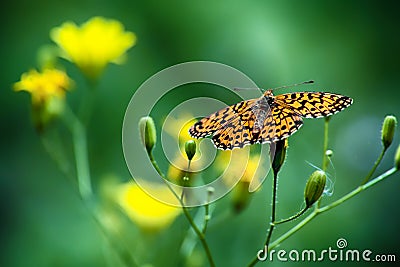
column 266, row 119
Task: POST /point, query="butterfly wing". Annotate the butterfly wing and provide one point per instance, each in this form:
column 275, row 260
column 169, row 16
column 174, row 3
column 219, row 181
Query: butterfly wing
column 280, row 123
column 314, row 104
column 230, row 127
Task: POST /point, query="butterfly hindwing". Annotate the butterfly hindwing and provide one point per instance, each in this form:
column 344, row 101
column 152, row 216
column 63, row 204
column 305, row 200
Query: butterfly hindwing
column 280, row 123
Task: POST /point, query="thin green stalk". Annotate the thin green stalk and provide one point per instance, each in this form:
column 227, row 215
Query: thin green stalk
column 199, row 234
column 324, row 156
column 78, row 132
column 273, row 215
column 316, row 212
column 54, row 148
column 326, row 208
column 81, row 156
column 206, row 218
column 325, row 148
column 377, row 162
column 291, row 218
column 273, row 210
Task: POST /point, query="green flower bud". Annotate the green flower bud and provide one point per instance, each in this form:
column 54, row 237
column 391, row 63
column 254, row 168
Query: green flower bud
column 397, row 158
column 279, row 155
column 147, row 133
column 388, row 128
column 190, row 149
column 314, row 187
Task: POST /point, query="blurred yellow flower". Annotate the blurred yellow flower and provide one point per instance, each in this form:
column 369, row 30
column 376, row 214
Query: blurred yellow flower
column 249, row 172
column 43, row 86
column 178, row 128
column 147, row 212
column 94, row 44
column 250, row 167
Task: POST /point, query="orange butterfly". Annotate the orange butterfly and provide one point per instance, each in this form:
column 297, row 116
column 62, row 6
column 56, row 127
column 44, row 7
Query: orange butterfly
column 266, row 119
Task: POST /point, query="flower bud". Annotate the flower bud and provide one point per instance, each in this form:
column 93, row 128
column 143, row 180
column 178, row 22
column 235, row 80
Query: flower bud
column 388, row 128
column 314, row 187
column 147, row 133
column 190, row 149
column 278, row 156
column 397, row 158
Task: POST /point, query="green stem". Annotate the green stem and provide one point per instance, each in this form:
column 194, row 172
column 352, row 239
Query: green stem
column 81, row 156
column 199, row 234
column 273, row 215
column 325, row 148
column 377, row 162
column 206, row 218
column 326, row 208
column 324, row 156
column 78, row 132
column 273, row 210
column 316, row 212
column 291, row 218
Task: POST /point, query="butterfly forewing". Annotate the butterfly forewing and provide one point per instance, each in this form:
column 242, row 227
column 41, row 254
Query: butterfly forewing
column 222, row 119
column 314, row 104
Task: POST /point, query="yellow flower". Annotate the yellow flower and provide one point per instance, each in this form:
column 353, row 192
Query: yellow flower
column 251, row 174
column 43, row 86
column 249, row 169
column 48, row 92
column 95, row 44
column 147, row 212
column 178, row 128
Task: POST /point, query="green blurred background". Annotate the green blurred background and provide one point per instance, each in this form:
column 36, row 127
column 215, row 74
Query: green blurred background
column 348, row 47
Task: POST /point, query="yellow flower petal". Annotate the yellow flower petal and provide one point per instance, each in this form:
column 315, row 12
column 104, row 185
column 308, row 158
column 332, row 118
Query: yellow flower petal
column 43, row 86
column 95, row 44
column 147, row 212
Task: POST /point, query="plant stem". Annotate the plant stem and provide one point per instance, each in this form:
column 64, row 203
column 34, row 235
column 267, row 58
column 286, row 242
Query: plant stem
column 325, row 148
column 331, row 206
column 273, row 215
column 318, row 211
column 81, row 156
column 291, row 218
column 199, row 234
column 377, row 162
column 79, row 140
column 206, row 218
column 273, row 210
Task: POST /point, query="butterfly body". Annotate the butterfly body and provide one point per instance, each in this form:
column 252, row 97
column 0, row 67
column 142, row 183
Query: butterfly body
column 266, row 119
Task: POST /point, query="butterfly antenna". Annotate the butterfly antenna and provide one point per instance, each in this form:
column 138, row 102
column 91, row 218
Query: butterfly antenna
column 280, row 87
column 292, row 85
